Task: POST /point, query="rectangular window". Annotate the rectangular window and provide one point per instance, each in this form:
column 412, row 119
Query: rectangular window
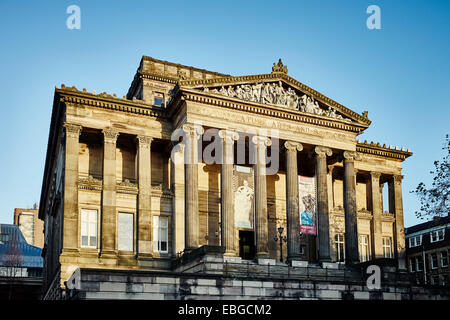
column 419, row 263
column 125, row 231
column 415, row 241
column 160, row 234
column 4, row 237
column 444, row 259
column 340, row 246
column 437, row 235
column 434, row 261
column 387, row 247
column 363, row 248
column 89, row 228
column 412, row 264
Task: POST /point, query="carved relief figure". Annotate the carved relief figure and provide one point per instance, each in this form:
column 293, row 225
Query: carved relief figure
column 273, row 93
column 243, row 198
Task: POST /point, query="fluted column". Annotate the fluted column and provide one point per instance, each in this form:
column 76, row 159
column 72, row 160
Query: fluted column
column 70, row 234
column 261, row 221
column 226, row 191
column 109, row 192
column 399, row 241
column 144, row 217
column 351, row 225
column 377, row 247
column 192, row 134
column 321, row 154
column 292, row 210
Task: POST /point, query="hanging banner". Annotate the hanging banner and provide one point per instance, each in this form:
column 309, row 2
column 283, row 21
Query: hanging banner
column 243, row 197
column 307, row 204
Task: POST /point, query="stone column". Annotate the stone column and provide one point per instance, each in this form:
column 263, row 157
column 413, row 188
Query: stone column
column 70, row 234
column 108, row 229
column 178, row 203
column 261, row 220
column 226, row 192
column 292, row 210
column 144, row 217
column 351, row 225
column 192, row 134
column 399, row 233
column 323, row 235
column 377, row 248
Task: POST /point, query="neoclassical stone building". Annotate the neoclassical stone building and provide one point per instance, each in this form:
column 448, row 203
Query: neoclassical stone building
column 129, row 185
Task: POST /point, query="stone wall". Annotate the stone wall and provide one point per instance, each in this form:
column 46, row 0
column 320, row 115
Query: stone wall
column 108, row 284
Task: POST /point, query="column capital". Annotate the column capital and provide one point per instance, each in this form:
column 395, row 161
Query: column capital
column 322, row 152
column 73, row 130
column 375, row 175
column 110, row 135
column 292, row 146
column 194, row 130
column 262, row 140
column 351, row 155
column 144, row 141
column 397, row 178
column 228, row 136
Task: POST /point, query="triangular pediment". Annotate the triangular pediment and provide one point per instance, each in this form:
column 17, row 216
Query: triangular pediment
column 276, row 89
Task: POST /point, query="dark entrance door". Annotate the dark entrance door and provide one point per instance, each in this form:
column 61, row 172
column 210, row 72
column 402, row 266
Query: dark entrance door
column 246, row 245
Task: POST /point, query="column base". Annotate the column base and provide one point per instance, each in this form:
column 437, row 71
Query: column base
column 299, row 263
column 232, row 259
column 144, row 256
column 329, row 265
column 266, row 261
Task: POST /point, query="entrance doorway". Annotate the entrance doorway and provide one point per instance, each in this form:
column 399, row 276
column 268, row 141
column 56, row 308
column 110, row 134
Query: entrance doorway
column 247, row 245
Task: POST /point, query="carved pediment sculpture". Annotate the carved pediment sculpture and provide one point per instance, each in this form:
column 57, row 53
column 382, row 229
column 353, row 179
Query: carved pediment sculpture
column 274, row 93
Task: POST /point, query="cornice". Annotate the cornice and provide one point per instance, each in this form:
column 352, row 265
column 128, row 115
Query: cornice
column 187, row 94
column 378, row 150
column 173, row 64
column 107, row 101
column 279, row 76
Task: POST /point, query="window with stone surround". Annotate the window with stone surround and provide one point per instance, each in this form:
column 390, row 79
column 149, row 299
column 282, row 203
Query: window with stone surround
column 364, row 248
column 437, row 235
column 444, row 259
column 158, row 99
column 89, row 226
column 160, row 234
column 434, row 261
column 415, row 241
column 340, row 246
column 419, row 263
column 387, row 247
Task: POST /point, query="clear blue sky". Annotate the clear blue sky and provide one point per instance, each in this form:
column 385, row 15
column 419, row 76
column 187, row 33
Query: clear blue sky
column 400, row 74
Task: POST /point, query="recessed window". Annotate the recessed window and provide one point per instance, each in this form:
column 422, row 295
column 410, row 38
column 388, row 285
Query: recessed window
column 363, row 247
column 125, row 231
column 339, row 243
column 160, row 234
column 415, row 241
column 444, row 259
column 419, row 263
column 387, row 247
column 437, row 235
column 434, row 261
column 89, row 228
column 412, row 264
column 4, row 237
